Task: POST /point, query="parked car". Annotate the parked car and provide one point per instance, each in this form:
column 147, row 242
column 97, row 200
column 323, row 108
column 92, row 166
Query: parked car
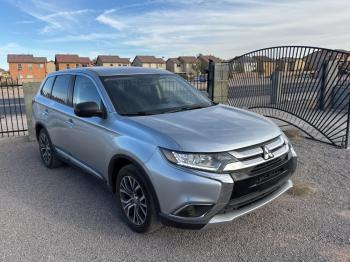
column 200, row 78
column 169, row 154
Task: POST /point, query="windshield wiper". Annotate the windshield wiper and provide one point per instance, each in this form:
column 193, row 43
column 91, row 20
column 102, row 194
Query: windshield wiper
column 138, row 114
column 185, row 108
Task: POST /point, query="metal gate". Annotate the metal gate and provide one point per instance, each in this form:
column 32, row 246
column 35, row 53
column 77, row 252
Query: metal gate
column 307, row 87
column 12, row 115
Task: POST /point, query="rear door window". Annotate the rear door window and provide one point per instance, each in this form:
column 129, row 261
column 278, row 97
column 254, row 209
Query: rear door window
column 60, row 88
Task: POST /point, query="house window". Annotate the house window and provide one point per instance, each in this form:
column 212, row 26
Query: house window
column 40, row 65
column 76, row 65
column 111, row 64
column 67, row 66
column 29, row 76
column 125, row 65
column 178, row 65
column 30, row 66
column 19, row 66
column 84, row 65
column 120, row 65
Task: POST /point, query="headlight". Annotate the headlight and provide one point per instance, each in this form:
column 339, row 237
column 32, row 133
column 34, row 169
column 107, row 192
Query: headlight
column 286, row 139
column 214, row 162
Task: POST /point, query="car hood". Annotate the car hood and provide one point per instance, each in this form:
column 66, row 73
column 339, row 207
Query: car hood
column 211, row 129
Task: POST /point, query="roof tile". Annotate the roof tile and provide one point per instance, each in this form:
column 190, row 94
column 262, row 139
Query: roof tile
column 14, row 58
column 149, row 59
column 59, row 58
column 113, row 59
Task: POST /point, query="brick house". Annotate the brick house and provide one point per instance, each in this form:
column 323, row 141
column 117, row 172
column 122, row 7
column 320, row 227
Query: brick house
column 27, row 68
column 4, row 73
column 174, row 65
column 50, row 66
column 149, row 61
column 203, row 62
column 71, row 61
column 186, row 65
column 110, row 60
column 265, row 65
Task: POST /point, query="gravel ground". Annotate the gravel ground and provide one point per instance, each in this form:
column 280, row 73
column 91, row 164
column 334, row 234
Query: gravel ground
column 66, row 215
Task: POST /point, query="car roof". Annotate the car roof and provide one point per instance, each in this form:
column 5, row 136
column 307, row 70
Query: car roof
column 111, row 71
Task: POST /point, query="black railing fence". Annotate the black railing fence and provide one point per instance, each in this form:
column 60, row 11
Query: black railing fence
column 198, row 80
column 307, row 87
column 13, row 120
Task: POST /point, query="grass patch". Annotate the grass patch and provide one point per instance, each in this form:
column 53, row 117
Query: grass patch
column 301, row 189
column 293, row 133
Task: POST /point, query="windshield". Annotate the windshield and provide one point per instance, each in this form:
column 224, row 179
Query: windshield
column 153, row 94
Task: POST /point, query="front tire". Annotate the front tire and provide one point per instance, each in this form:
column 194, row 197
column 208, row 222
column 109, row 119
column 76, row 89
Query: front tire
column 47, row 152
column 135, row 201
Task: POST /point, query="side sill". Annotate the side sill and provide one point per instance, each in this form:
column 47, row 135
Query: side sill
column 71, row 160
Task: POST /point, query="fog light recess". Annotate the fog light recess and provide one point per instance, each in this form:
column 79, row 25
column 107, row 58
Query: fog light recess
column 195, row 210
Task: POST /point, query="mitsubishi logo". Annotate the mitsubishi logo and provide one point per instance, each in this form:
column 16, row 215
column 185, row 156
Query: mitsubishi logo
column 267, row 154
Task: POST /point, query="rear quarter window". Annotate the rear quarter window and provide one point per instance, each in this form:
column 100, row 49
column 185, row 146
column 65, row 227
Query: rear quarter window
column 47, row 87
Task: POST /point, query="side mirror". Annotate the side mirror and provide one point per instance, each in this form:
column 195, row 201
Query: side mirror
column 88, row 109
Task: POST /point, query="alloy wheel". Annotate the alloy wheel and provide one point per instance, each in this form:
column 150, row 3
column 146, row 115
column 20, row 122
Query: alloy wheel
column 45, row 148
column 133, row 200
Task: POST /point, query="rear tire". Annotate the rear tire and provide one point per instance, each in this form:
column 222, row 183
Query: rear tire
column 47, row 152
column 135, row 201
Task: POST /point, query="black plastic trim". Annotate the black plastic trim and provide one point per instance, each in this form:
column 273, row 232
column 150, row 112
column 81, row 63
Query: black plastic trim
column 111, row 177
column 167, row 221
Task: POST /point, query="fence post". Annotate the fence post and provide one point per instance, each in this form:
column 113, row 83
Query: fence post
column 220, row 86
column 323, row 86
column 329, row 73
column 276, row 87
column 29, row 90
column 210, row 82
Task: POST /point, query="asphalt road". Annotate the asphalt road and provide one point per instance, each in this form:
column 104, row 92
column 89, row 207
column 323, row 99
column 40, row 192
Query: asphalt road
column 66, row 215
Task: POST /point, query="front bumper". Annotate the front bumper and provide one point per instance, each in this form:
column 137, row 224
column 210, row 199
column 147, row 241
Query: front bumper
column 228, row 217
column 177, row 187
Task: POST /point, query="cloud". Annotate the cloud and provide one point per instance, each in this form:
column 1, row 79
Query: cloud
column 61, row 20
column 110, row 21
column 82, row 37
column 232, row 27
column 225, row 28
column 55, row 17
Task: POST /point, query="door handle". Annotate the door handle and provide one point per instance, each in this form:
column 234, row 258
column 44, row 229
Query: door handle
column 45, row 112
column 70, row 122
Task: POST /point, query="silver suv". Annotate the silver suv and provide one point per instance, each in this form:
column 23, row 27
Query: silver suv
column 164, row 149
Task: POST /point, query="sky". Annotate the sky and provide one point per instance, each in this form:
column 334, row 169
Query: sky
column 169, row 28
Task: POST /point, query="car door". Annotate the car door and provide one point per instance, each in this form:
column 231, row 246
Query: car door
column 43, row 107
column 88, row 139
column 57, row 123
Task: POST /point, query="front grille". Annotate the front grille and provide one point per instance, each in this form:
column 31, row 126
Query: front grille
column 268, row 165
column 254, row 156
column 256, row 177
column 262, row 177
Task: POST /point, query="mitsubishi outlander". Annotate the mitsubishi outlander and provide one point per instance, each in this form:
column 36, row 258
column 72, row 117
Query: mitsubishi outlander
column 169, row 154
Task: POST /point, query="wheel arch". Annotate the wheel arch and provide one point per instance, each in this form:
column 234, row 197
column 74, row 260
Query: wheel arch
column 118, row 162
column 38, row 127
